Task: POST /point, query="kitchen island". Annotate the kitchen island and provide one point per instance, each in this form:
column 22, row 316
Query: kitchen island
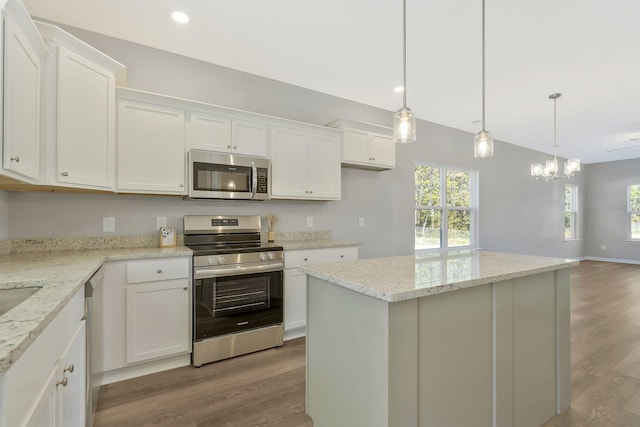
column 464, row 338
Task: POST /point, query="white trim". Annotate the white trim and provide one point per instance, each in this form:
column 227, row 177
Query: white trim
column 621, row 261
column 632, row 240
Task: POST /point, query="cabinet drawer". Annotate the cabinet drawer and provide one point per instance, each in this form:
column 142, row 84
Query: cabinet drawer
column 294, row 259
column 153, row 270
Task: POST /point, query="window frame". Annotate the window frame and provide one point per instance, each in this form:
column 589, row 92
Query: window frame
column 630, row 213
column 573, row 212
column 444, row 209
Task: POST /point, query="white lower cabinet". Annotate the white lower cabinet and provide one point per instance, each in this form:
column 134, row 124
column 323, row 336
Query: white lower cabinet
column 146, row 316
column 46, row 386
column 157, row 319
column 295, row 282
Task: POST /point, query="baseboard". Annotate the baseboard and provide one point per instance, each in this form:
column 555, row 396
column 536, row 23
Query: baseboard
column 146, row 368
column 294, row 333
column 621, row 261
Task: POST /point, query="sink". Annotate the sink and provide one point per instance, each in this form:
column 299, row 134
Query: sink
column 11, row 297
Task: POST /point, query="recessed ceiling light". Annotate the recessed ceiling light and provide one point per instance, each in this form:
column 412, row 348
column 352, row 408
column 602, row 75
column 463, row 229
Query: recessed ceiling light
column 398, row 89
column 180, row 17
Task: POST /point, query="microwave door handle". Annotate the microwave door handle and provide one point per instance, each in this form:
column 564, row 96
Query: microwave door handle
column 254, row 179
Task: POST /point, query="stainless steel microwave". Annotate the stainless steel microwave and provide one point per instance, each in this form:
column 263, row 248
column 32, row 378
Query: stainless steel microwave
column 227, row 176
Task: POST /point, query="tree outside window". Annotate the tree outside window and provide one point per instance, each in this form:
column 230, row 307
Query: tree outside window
column 633, row 211
column 570, row 212
column 444, row 207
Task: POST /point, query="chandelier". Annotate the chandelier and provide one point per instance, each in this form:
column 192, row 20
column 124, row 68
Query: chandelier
column 550, row 169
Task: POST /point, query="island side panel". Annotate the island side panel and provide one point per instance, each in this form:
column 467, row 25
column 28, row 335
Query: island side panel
column 348, row 360
column 563, row 339
column 503, row 347
column 534, row 349
column 455, row 364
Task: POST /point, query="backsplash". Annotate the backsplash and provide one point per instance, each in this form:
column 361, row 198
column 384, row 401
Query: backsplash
column 302, row 235
column 81, row 243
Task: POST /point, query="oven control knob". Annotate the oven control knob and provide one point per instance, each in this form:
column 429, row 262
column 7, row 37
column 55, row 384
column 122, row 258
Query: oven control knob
column 211, row 260
column 220, row 259
column 271, row 255
column 263, row 257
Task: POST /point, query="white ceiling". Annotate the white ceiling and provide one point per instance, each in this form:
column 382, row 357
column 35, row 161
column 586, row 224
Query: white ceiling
column 589, row 50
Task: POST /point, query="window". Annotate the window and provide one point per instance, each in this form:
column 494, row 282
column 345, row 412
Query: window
column 570, row 212
column 633, row 211
column 445, row 207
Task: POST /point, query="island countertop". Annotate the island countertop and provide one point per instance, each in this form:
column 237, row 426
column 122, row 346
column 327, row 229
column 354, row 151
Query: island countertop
column 401, row 278
column 60, row 274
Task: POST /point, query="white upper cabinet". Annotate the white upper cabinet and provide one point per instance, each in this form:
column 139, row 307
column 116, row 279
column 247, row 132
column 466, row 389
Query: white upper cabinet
column 227, row 135
column 24, row 52
column 365, row 145
column 80, row 133
column 305, row 164
column 151, row 145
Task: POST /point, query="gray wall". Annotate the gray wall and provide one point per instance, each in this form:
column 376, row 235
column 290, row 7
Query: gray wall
column 518, row 214
column 607, row 209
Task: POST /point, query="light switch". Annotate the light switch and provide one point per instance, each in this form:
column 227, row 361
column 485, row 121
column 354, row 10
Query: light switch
column 309, row 221
column 361, row 221
column 161, row 221
column 108, row 224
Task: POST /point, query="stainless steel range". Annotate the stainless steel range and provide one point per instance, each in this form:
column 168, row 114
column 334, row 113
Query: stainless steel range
column 238, row 287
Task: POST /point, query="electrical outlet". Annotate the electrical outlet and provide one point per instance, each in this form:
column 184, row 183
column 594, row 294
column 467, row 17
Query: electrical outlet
column 108, row 224
column 161, row 221
column 361, row 221
column 309, row 221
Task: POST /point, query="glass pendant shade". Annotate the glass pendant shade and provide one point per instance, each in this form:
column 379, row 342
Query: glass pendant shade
column 571, row 166
column 483, row 144
column 551, row 169
column 404, row 126
column 536, row 170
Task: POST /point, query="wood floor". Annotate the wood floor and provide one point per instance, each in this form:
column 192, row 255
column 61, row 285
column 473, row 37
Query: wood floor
column 267, row 388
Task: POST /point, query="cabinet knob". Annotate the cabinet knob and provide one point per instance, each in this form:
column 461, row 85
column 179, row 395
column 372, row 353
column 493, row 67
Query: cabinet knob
column 15, row 159
column 181, row 185
column 341, row 256
column 185, row 288
column 65, row 173
column 69, row 369
column 306, row 259
column 159, row 271
column 228, row 146
column 63, row 383
column 235, row 147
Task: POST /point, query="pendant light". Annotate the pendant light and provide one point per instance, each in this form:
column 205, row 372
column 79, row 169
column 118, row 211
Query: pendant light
column 483, row 141
column 404, row 122
column 550, row 169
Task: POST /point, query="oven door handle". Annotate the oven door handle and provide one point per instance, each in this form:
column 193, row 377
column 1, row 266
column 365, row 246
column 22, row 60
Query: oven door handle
column 254, row 180
column 205, row 272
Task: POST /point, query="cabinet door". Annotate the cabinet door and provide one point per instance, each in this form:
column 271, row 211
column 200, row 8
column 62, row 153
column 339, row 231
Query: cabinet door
column 85, row 136
column 295, row 299
column 324, row 169
column 355, row 146
column 289, row 160
column 151, row 154
column 382, row 150
column 71, row 392
column 249, row 138
column 22, row 76
column 43, row 413
column 157, row 319
column 209, row 132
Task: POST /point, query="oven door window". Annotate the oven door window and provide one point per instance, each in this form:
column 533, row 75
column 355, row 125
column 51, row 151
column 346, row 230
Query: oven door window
column 214, row 177
column 231, row 304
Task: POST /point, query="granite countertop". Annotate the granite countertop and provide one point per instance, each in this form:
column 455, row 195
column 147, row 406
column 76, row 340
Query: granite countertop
column 60, row 274
column 407, row 277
